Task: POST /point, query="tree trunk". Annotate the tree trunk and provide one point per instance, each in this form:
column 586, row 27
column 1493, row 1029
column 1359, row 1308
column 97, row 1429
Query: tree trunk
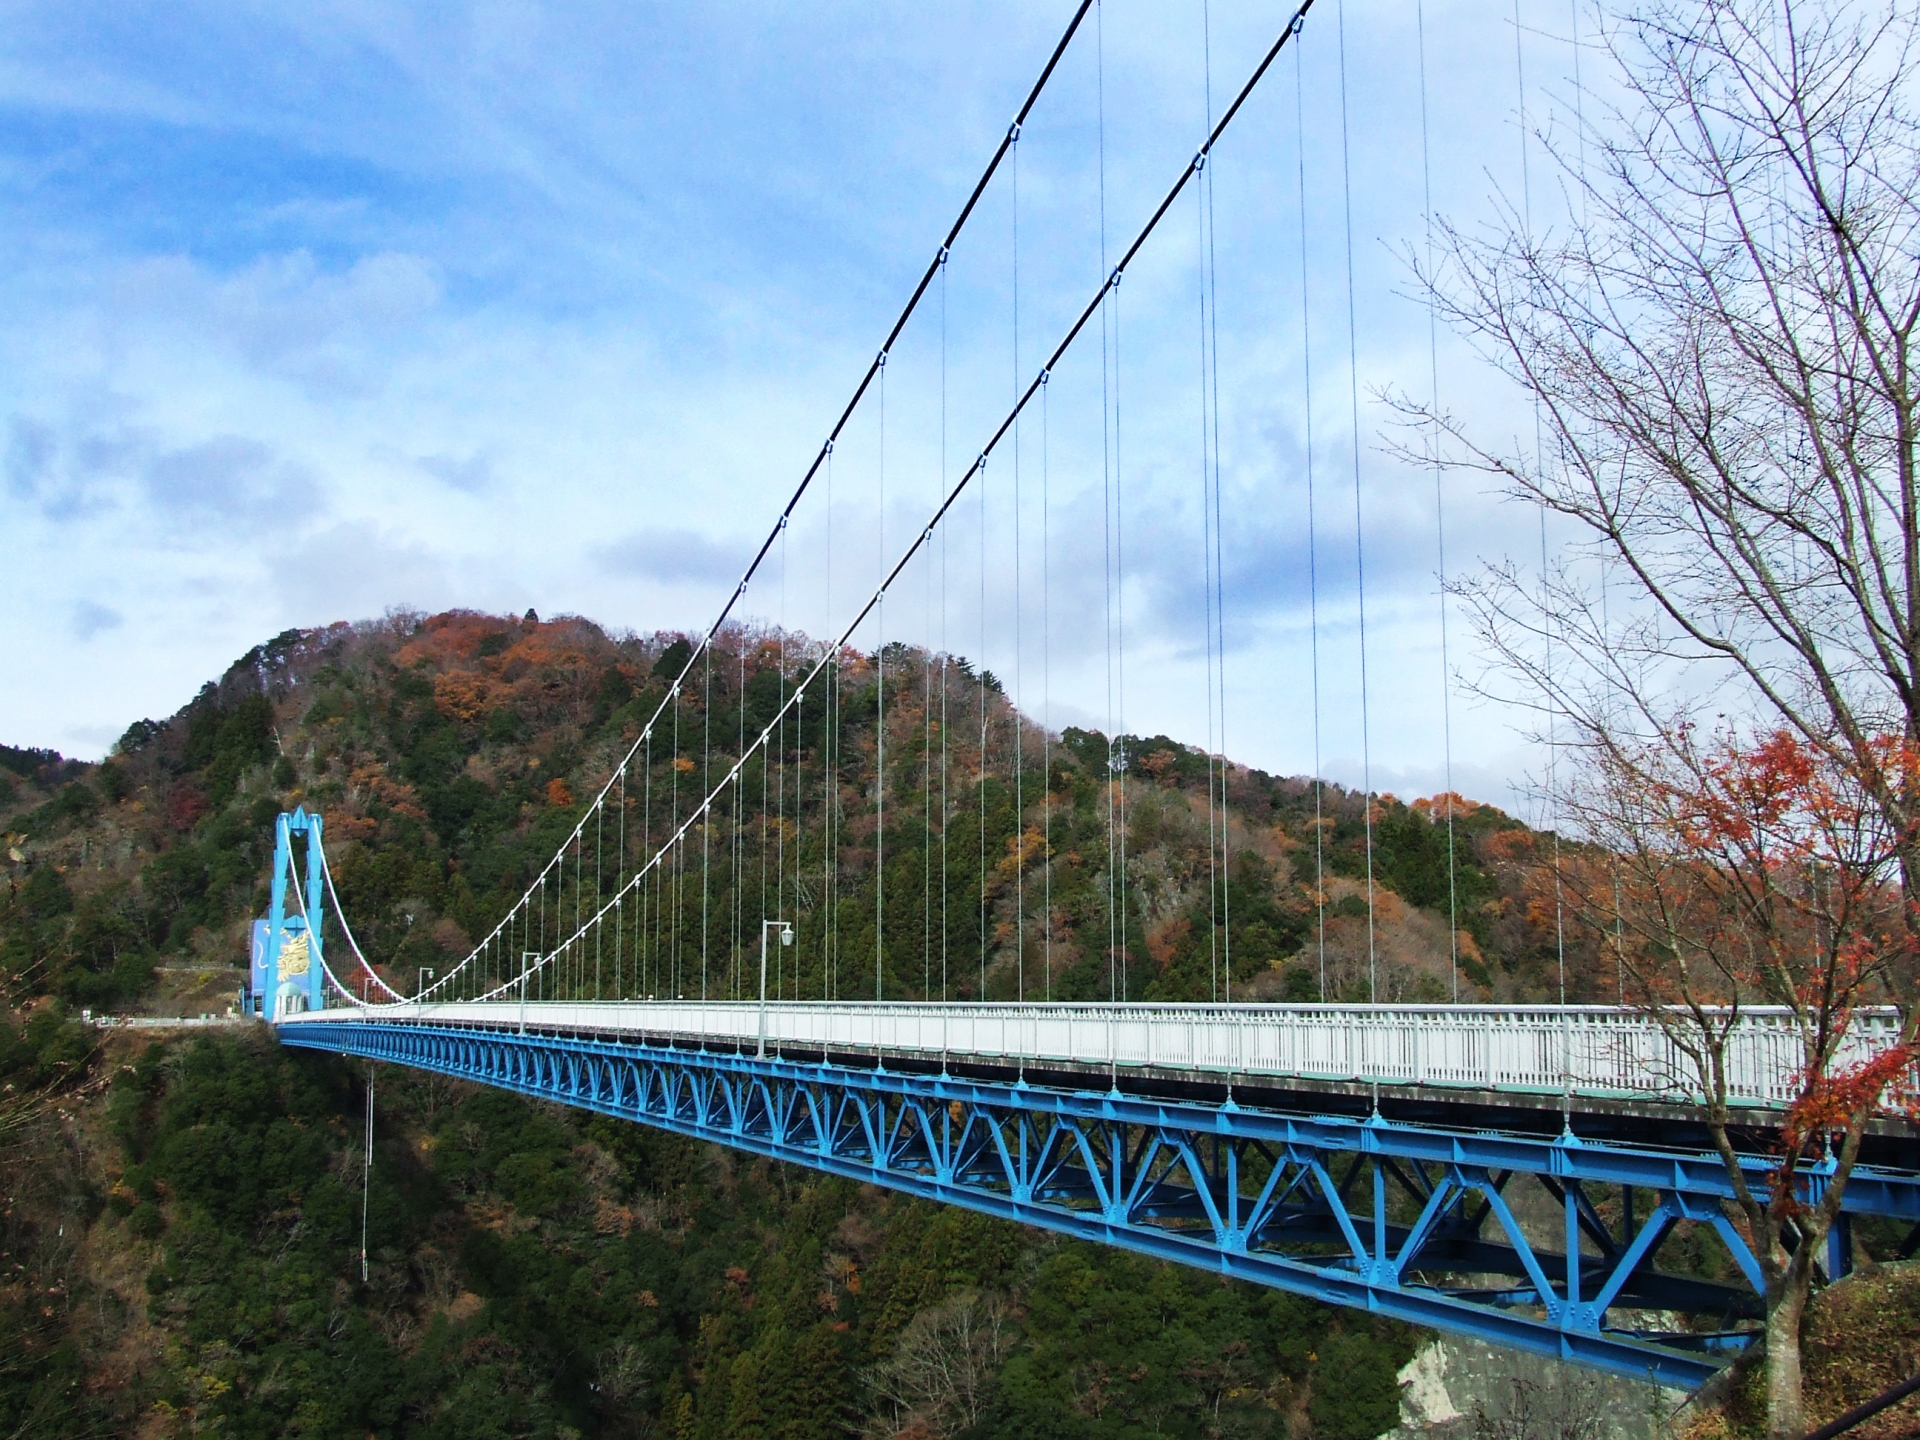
column 1786, row 1408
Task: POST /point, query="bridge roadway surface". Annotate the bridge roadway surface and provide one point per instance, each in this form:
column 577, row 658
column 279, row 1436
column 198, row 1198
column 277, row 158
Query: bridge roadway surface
column 1509, row 1173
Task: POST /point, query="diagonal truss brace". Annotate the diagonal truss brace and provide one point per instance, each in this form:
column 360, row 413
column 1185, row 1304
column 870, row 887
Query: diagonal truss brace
column 1243, row 1192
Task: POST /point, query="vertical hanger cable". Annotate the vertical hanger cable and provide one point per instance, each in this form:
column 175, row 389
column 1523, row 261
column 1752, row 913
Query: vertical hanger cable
column 1046, row 707
column 734, row 948
column 1313, row 543
column 1019, row 685
column 830, row 960
column 1439, row 520
column 880, row 729
column 945, row 652
column 1206, row 538
column 1553, row 726
column 926, row 772
column 1217, row 638
column 706, row 827
column 1106, row 518
column 1359, row 530
column 366, row 1177
column 1120, row 645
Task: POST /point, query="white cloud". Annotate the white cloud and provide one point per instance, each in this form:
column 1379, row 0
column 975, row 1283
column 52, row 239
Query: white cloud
column 672, row 555
column 353, row 570
column 471, row 473
column 463, row 308
column 91, row 619
column 230, row 483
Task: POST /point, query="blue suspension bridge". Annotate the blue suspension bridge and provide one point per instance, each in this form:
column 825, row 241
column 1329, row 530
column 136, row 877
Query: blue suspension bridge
column 1512, row 1173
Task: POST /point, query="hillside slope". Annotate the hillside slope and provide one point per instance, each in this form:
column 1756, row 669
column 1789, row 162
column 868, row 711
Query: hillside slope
column 181, row 1245
column 451, row 755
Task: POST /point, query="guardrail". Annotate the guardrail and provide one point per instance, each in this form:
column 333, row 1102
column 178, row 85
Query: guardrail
column 1595, row 1051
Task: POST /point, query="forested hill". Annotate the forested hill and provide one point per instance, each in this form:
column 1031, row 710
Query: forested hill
column 451, row 755
column 181, row 1235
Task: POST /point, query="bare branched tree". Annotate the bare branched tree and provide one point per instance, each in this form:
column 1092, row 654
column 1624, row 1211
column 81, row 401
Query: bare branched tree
column 1564, row 1406
column 1718, row 344
column 935, row 1381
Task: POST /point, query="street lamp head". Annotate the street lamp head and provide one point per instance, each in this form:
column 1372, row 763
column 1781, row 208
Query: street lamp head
column 786, row 935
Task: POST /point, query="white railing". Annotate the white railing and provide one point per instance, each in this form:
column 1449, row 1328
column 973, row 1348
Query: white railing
column 1595, row 1051
column 160, row 1022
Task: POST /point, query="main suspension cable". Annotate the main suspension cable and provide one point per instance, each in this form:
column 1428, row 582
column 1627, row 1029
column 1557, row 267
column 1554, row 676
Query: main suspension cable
column 1108, row 285
column 726, row 611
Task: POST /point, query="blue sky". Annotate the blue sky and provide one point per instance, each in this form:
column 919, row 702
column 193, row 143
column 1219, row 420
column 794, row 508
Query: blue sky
column 313, row 311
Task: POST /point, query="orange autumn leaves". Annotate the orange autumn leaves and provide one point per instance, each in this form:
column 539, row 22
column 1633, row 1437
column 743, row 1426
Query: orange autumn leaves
column 1785, row 799
column 462, row 695
column 372, row 783
column 1763, row 871
column 485, row 663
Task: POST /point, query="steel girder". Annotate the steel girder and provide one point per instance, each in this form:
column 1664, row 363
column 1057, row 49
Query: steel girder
column 1255, row 1194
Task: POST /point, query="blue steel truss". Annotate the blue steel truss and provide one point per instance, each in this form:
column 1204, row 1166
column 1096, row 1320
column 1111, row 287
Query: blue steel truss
column 1371, row 1213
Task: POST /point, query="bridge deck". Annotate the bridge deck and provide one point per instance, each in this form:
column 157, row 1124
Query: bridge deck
column 1583, row 1052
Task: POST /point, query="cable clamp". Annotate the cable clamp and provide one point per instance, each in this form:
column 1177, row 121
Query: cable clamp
column 941, row 258
column 882, row 361
column 1113, row 281
column 829, row 449
column 1013, row 133
column 1299, row 23
column 1045, row 376
column 1200, row 161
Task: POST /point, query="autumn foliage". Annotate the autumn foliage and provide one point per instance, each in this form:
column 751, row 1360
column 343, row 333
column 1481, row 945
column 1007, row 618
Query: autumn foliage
column 1729, row 872
column 480, row 665
column 1735, row 873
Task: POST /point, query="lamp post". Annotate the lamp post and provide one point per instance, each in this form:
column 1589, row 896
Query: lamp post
column 786, row 938
column 427, row 973
column 528, row 959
